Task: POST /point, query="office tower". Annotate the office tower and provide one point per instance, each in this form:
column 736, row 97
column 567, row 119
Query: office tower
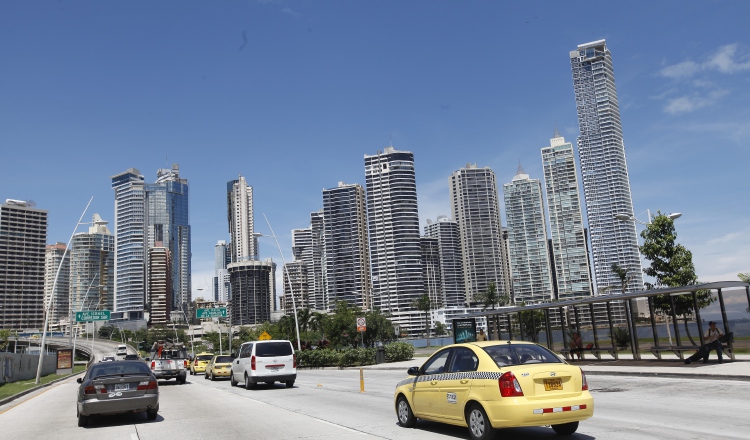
column 302, row 249
column 160, row 289
column 451, row 261
column 252, row 293
column 130, row 248
column 393, row 224
column 244, row 245
column 347, row 251
column 433, row 285
column 318, row 299
column 222, row 257
column 55, row 258
column 23, row 237
column 568, row 241
column 92, row 268
column 604, row 169
column 476, row 209
column 167, row 222
column 295, row 279
column 527, row 237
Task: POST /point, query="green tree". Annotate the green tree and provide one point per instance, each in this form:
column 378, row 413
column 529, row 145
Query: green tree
column 491, row 298
column 4, row 339
column 745, row 277
column 319, row 323
column 303, row 318
column 379, row 329
column 671, row 266
column 532, row 322
column 440, row 329
column 423, row 304
column 622, row 274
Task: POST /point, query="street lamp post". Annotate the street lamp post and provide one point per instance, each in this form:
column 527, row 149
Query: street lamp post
column 630, row 218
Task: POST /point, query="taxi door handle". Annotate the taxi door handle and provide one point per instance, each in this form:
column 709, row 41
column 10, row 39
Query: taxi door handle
column 434, row 382
column 465, row 381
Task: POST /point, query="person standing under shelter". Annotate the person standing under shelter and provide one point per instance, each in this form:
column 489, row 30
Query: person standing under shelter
column 712, row 341
column 481, row 336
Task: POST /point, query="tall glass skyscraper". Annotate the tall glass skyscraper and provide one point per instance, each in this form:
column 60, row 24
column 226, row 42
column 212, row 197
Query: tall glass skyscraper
column 130, row 249
column 604, row 169
column 92, row 268
column 566, row 220
column 222, row 258
column 53, row 259
column 167, row 225
column 446, row 232
column 244, row 244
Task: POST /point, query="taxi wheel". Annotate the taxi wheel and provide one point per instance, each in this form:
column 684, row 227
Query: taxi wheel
column 566, row 428
column 403, row 411
column 212, row 376
column 205, row 376
column 480, row 427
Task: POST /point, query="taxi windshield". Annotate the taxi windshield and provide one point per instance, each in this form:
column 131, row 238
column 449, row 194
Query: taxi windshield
column 520, row 354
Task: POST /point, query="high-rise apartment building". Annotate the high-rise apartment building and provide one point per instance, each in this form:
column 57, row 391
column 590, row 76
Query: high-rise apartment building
column 433, row 285
column 57, row 259
column 244, row 244
column 527, row 237
column 295, row 279
column 23, row 237
column 568, row 238
column 167, row 222
column 448, row 236
column 604, row 169
column 316, row 272
column 252, row 291
column 222, row 257
column 393, row 224
column 92, row 268
column 347, row 251
column 302, row 249
column 130, row 243
column 476, row 209
column 160, row 289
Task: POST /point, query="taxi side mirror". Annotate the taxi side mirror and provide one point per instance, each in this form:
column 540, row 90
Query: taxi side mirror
column 79, row 380
column 413, row 371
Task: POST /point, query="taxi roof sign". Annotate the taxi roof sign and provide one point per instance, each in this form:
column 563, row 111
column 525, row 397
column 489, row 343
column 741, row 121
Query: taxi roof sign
column 265, row 336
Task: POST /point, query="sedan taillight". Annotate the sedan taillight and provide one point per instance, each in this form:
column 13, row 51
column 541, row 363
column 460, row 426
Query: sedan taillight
column 584, row 382
column 147, row 385
column 92, row 389
column 509, row 386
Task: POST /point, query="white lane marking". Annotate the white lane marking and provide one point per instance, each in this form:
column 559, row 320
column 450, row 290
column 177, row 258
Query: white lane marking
column 338, row 426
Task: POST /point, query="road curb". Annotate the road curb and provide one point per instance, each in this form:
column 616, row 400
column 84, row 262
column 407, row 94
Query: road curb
column 36, row 388
column 668, row 375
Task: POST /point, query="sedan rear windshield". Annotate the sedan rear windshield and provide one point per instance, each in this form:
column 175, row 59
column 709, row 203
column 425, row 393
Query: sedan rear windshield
column 118, row 368
column 224, row 359
column 205, row 357
column 269, row 349
column 521, row 354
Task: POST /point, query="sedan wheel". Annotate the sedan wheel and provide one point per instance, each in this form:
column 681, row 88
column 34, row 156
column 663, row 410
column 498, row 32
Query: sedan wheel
column 83, row 420
column 566, row 428
column 405, row 416
column 479, row 425
column 151, row 414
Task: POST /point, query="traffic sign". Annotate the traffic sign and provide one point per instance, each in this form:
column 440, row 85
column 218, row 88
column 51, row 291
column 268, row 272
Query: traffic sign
column 92, row 315
column 265, row 336
column 219, row 312
column 361, row 325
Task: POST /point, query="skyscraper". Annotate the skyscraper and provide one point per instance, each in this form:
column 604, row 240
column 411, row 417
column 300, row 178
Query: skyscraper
column 347, row 254
column 252, row 293
column 240, row 217
column 476, row 209
column 167, row 222
column 433, row 285
column 295, row 281
column 302, row 249
column 604, row 169
column 92, row 268
column 222, row 257
column 130, row 248
column 53, row 258
column 23, row 237
column 393, row 223
column 159, row 284
column 527, row 237
column 451, row 261
column 571, row 263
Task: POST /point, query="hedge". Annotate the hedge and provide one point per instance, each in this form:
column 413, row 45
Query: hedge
column 348, row 357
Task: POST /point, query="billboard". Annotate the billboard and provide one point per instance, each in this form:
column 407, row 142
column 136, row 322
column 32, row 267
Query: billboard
column 464, row 330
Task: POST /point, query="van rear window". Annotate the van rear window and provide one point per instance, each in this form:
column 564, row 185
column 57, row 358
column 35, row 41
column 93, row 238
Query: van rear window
column 269, row 349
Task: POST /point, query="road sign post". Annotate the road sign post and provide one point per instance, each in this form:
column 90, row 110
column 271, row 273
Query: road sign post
column 92, row 315
column 219, row 312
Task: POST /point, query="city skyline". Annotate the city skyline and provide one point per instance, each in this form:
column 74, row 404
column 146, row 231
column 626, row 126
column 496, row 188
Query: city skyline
column 449, row 106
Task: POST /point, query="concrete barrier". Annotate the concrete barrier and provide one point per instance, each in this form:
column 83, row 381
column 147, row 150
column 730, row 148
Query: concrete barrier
column 15, row 367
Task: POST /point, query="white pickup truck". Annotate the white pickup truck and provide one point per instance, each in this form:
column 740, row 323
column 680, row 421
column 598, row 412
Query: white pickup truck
column 169, row 361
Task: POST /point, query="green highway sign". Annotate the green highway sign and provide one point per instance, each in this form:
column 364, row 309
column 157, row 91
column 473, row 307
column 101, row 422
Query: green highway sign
column 92, row 315
column 220, row 312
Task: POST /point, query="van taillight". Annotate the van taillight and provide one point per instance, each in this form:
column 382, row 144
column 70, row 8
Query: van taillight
column 252, row 363
column 153, row 365
column 509, row 386
column 294, row 360
column 186, row 363
column 584, row 382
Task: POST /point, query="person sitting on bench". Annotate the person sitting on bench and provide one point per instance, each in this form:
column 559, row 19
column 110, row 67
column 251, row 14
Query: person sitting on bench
column 576, row 347
column 712, row 341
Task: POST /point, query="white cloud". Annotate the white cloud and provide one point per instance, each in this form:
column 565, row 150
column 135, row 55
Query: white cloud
column 721, row 257
column 681, row 70
column 724, row 60
column 291, row 12
column 686, row 104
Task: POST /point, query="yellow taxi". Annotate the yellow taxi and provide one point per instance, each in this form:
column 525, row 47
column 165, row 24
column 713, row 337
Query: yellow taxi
column 198, row 364
column 219, row 366
column 495, row 384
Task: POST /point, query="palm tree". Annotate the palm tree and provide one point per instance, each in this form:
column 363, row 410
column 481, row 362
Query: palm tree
column 317, row 323
column 424, row 304
column 303, row 317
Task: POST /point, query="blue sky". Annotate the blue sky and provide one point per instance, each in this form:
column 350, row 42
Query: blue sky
column 293, row 94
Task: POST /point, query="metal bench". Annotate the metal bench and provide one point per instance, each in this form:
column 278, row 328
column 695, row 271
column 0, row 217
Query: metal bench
column 595, row 351
column 680, row 350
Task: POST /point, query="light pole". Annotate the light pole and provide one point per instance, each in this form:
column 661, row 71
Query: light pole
column 629, row 218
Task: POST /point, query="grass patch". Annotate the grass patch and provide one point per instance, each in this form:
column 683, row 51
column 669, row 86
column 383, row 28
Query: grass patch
column 13, row 388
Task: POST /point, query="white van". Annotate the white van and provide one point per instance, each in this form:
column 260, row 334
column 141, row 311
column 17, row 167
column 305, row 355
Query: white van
column 122, row 350
column 265, row 361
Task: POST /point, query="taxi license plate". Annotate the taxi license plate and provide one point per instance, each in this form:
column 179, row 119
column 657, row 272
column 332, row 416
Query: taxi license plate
column 553, row 384
column 122, row 386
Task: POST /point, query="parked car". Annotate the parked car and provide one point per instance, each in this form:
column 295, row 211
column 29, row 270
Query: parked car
column 117, row 387
column 495, row 384
column 198, row 364
column 219, row 366
column 265, row 361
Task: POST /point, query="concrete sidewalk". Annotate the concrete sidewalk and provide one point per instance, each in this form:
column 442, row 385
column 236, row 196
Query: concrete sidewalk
column 739, row 369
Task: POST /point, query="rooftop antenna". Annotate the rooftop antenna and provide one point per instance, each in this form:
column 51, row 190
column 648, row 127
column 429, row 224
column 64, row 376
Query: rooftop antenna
column 390, row 139
column 557, row 133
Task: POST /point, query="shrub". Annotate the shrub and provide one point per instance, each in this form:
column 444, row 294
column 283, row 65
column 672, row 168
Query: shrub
column 621, row 337
column 398, row 351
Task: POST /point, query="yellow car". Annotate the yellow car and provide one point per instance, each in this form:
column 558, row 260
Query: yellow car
column 219, row 366
column 198, row 364
column 495, row 384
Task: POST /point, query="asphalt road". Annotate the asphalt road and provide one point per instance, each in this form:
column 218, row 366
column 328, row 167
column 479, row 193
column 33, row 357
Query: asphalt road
column 328, row 404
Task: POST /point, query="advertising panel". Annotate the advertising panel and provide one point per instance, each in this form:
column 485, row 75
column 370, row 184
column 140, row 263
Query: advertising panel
column 464, row 330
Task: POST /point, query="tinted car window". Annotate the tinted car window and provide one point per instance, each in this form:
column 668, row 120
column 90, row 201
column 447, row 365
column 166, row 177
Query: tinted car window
column 436, row 365
column 205, row 357
column 269, row 349
column 118, row 368
column 223, row 360
column 464, row 360
column 517, row 354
